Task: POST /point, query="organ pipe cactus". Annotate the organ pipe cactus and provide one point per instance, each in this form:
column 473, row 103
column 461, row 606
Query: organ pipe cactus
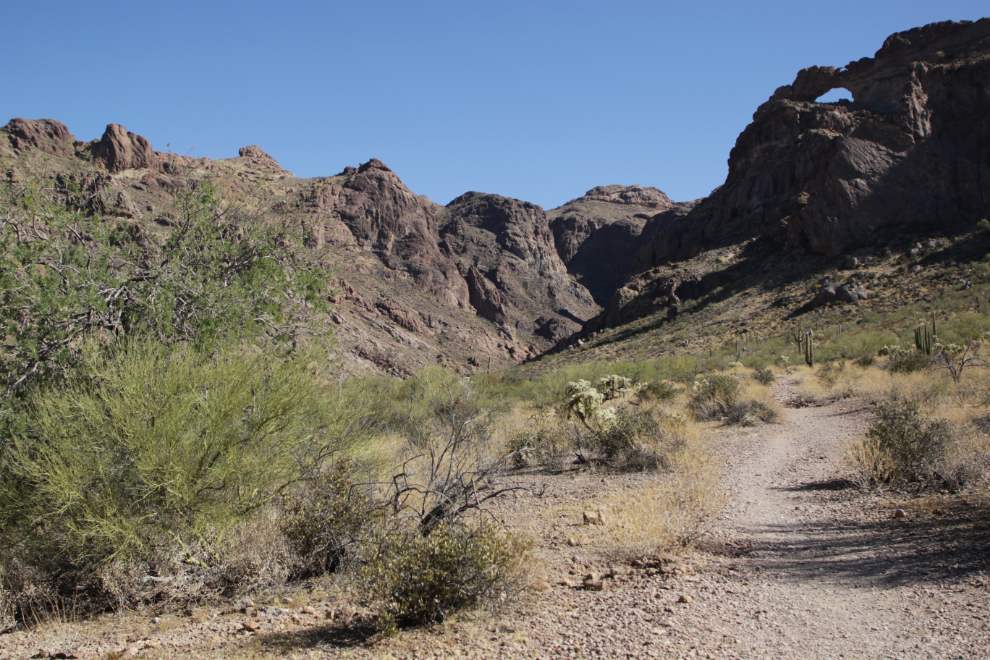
column 806, row 345
column 923, row 339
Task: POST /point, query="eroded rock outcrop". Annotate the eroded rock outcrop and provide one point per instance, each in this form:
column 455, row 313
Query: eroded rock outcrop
column 597, row 234
column 809, row 181
column 508, row 244
column 120, row 150
column 46, row 135
column 913, row 146
column 258, row 160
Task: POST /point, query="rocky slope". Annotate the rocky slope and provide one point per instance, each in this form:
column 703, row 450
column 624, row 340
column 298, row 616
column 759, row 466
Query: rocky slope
column 811, row 185
column 595, row 234
column 474, row 284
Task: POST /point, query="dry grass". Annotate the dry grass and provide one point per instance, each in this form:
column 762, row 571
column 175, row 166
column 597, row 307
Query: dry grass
column 669, row 513
column 963, row 461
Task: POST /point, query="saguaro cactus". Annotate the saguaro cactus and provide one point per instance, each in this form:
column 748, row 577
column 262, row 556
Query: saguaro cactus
column 809, row 348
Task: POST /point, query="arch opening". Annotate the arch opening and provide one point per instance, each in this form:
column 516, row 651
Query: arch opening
column 835, row 95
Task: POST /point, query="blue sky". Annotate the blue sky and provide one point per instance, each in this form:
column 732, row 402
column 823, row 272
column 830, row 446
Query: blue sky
column 535, row 100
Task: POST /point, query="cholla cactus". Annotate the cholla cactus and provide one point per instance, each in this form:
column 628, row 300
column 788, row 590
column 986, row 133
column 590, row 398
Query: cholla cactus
column 612, row 386
column 889, row 350
column 606, row 417
column 584, row 401
column 734, row 365
column 949, row 349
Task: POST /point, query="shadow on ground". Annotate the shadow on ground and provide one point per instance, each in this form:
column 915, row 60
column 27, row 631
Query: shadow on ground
column 935, row 541
column 343, row 635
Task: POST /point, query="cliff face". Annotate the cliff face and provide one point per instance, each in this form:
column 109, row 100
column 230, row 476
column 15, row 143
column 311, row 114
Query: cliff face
column 596, row 234
column 912, row 147
column 909, row 153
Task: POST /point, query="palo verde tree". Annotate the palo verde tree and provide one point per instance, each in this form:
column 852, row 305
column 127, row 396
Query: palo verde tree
column 65, row 275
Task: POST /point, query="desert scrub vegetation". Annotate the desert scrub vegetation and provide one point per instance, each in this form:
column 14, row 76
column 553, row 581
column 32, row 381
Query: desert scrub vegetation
column 169, row 476
column 619, row 425
column 912, row 451
column 170, row 431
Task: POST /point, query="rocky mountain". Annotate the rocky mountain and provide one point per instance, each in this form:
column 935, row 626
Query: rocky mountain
column 595, row 234
column 812, row 184
column 814, row 192
column 473, row 284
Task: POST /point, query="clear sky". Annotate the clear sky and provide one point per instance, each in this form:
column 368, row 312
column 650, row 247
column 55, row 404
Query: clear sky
column 535, row 100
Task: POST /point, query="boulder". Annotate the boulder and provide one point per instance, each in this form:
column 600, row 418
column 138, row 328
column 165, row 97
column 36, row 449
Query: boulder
column 849, row 292
column 121, row 150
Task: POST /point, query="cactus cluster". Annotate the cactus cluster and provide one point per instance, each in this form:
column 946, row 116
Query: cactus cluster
column 806, row 344
column 926, row 339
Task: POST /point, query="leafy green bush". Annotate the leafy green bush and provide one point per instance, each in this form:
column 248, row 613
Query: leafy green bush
column 219, row 273
column 161, row 442
column 714, row 396
column 424, row 579
column 765, row 376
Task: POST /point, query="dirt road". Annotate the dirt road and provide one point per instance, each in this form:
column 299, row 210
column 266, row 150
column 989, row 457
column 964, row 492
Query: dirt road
column 800, row 565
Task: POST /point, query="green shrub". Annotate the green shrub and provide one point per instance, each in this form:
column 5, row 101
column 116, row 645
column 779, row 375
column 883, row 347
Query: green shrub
column 766, row 413
column 622, row 434
column 326, row 520
column 903, row 447
column 828, row 373
column 765, row 376
column 424, row 579
column 714, row 397
column 161, row 442
column 546, row 444
column 865, row 361
column 905, row 361
column 749, row 413
column 656, row 391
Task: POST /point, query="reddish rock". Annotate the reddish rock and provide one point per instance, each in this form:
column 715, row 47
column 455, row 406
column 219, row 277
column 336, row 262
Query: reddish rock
column 598, row 234
column 258, row 160
column 906, row 149
column 121, row 150
column 509, row 246
column 47, row 135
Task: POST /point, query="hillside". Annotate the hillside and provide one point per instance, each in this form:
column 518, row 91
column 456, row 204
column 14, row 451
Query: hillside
column 832, row 213
column 479, row 283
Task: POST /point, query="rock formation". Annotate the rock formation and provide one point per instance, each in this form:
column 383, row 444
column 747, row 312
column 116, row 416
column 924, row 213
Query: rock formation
column 911, row 149
column 476, row 283
column 913, row 146
column 597, row 234
column 506, row 250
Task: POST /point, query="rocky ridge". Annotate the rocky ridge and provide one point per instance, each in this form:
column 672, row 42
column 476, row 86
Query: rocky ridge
column 476, row 283
column 817, row 182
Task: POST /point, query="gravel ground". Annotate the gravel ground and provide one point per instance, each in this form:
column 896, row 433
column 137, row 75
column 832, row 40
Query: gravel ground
column 799, row 565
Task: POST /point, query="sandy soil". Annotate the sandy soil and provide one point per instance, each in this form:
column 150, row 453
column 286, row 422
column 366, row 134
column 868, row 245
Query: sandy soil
column 799, row 565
